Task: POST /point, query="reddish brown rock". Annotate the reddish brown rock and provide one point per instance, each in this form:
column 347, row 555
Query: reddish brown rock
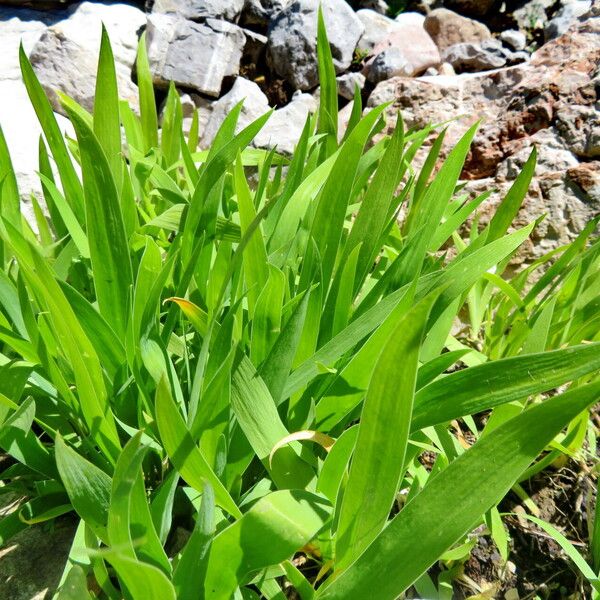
column 550, row 103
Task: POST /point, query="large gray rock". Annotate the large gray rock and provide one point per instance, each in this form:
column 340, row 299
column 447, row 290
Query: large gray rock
column 389, row 63
column 565, row 17
column 200, row 9
column 579, row 126
column 193, row 55
column 255, row 105
column 261, row 12
column 283, row 129
column 66, row 55
column 469, row 57
column 448, row 28
column 293, row 34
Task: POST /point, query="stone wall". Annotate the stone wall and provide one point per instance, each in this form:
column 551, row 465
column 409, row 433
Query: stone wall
column 529, row 70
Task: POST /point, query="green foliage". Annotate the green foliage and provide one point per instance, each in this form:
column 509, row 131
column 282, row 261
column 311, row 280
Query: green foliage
column 255, row 348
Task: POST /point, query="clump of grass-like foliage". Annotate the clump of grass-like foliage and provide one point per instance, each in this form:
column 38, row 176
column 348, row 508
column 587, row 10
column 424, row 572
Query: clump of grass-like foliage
column 264, row 365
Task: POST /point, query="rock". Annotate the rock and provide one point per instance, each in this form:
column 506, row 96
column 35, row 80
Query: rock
column 515, row 58
column 255, row 105
column 32, row 562
column 258, row 13
column 551, row 103
column 565, row 17
column 292, row 40
column 431, row 72
column 379, row 6
column 283, row 129
column 476, row 8
column 446, row 69
column 469, row 57
column 22, row 131
column 196, row 10
column 216, row 47
column 66, row 55
column 376, row 28
column 204, row 108
column 532, row 15
column 16, row 26
column 414, row 43
column 514, row 39
column 413, row 19
column 19, row 123
column 389, row 63
column 586, row 179
column 343, row 119
column 348, row 82
column 552, row 156
column 579, row 126
column 447, row 28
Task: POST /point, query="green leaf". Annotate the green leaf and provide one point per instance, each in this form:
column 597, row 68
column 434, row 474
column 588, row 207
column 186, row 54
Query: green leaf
column 111, row 264
column 75, row 585
column 143, row 581
column 256, row 270
column 183, row 452
column 446, row 509
column 191, row 569
column 380, row 448
column 497, row 382
column 258, row 417
column 276, row 367
column 130, row 526
column 41, row 105
column 147, row 101
column 107, row 127
column 87, row 486
column 271, row 531
column 328, row 100
column 19, row 441
column 10, row 206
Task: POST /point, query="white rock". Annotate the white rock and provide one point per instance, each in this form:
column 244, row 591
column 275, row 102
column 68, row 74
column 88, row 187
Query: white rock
column 283, row 129
column 377, row 28
column 348, row 82
column 514, row 39
column 413, row 19
column 200, row 9
column 293, row 34
column 15, row 27
column 255, row 105
column 22, row 132
column 565, row 17
column 65, row 57
column 193, row 55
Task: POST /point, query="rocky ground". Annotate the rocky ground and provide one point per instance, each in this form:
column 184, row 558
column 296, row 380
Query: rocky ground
column 529, row 70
